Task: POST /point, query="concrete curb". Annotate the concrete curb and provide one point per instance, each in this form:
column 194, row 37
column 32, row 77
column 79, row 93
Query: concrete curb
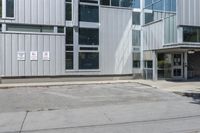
column 47, row 84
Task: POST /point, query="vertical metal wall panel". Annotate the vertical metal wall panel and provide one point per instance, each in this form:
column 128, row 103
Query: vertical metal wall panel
column 21, row 47
column 34, row 64
column 52, row 49
column 153, row 35
column 188, row 12
column 47, row 12
column 34, row 11
column 8, row 55
column 47, row 64
column 115, row 41
column 27, row 50
column 52, row 12
column 11, row 44
column 40, row 50
column 13, row 54
column 28, row 12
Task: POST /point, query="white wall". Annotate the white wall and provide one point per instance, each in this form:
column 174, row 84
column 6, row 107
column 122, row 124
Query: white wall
column 47, row 12
column 116, row 41
column 13, row 43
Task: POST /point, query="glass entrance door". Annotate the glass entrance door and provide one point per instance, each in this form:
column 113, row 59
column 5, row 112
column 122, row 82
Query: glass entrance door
column 177, row 68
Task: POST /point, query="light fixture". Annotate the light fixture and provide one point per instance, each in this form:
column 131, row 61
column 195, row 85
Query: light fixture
column 191, row 52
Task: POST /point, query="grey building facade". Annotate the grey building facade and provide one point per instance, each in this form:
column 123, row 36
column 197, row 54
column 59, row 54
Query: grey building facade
column 151, row 39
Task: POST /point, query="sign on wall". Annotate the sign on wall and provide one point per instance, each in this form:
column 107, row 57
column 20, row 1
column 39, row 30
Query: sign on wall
column 33, row 55
column 21, row 56
column 45, row 55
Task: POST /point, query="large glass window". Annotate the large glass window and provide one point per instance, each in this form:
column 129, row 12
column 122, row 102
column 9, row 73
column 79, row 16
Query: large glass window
column 88, row 36
column 88, row 13
column 191, row 34
column 29, row 28
column 120, row 3
column 68, row 10
column 88, row 60
column 10, row 8
column 136, row 18
column 0, row 8
column 69, row 48
column 158, row 9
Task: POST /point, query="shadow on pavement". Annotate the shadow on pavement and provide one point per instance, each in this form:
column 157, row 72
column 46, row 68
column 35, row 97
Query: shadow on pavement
column 194, row 95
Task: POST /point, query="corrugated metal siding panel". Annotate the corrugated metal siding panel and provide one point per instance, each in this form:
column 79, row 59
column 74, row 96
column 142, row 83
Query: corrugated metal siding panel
column 12, row 43
column 153, row 36
column 188, row 12
column 115, row 41
column 47, row 12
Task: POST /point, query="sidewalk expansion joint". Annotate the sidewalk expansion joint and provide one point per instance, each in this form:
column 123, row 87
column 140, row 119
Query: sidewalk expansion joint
column 23, row 121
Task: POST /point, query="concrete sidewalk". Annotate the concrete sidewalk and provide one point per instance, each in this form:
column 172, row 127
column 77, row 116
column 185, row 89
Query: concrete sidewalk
column 76, row 119
column 172, row 86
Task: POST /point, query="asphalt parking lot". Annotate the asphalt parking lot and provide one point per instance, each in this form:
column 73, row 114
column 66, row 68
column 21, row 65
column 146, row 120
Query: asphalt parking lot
column 78, row 96
column 97, row 108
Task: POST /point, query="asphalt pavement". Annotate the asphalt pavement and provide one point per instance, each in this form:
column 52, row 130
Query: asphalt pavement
column 97, row 108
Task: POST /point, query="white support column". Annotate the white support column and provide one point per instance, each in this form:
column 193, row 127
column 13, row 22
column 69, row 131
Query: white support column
column 142, row 3
column 75, row 19
column 155, row 71
column 75, row 13
column 185, row 65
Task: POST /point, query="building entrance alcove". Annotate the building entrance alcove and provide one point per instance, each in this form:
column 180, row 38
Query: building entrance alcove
column 194, row 65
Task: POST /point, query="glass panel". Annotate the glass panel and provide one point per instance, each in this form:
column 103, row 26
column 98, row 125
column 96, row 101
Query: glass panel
column 69, row 60
column 105, row 2
column 164, row 66
column 89, row 13
column 159, row 9
column 136, row 38
column 88, row 36
column 136, row 18
column 177, row 60
column 47, row 29
column 148, row 2
column 60, row 30
column 125, row 3
column 114, row 2
column 89, row 1
column 177, row 72
column 88, row 60
column 69, row 48
column 136, row 60
column 29, row 28
column 190, row 34
column 68, row 11
column 88, row 48
column 0, row 8
column 148, row 17
column 69, row 35
column 22, row 28
column 9, row 8
column 136, row 4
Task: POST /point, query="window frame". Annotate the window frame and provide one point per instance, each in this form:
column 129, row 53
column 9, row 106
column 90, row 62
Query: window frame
column 4, row 11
